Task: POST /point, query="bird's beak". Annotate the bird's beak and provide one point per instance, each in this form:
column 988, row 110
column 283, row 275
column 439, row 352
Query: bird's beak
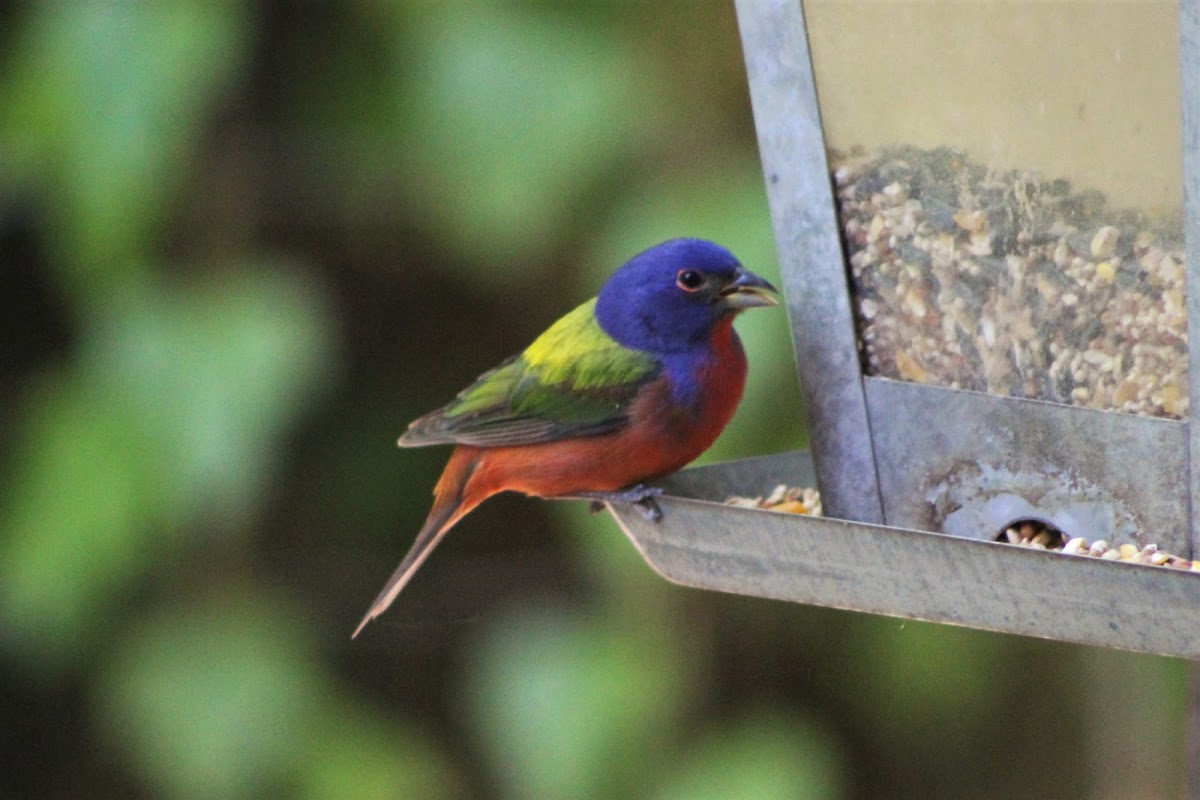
column 747, row 290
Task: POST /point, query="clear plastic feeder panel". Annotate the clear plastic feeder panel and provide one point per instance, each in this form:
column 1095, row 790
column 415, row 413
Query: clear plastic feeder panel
column 1009, row 191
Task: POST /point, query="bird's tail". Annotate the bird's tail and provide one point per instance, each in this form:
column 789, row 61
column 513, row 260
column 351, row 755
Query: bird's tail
column 450, row 504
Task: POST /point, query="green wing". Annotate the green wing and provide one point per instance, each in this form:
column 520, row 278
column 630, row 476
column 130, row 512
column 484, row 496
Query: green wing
column 574, row 380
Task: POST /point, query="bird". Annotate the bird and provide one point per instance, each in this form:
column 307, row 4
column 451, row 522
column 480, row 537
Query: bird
column 628, row 387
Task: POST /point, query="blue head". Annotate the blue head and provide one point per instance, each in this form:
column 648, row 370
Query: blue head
column 668, row 299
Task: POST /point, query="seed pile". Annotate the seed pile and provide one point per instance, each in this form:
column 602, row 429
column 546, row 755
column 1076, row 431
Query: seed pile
column 1002, row 282
column 790, row 500
column 1029, row 533
column 1042, row 537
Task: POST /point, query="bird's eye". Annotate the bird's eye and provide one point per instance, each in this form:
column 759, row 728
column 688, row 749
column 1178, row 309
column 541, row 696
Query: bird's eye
column 689, row 280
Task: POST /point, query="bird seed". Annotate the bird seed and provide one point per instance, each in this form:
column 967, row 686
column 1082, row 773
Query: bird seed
column 1003, row 282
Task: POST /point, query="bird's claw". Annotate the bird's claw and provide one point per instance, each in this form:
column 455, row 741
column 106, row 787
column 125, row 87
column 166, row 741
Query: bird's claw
column 649, row 508
column 640, row 495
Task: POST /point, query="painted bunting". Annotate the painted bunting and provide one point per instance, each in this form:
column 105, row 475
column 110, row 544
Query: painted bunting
column 629, row 386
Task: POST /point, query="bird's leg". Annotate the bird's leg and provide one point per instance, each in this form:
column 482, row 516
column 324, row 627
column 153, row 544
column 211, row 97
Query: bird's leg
column 639, row 494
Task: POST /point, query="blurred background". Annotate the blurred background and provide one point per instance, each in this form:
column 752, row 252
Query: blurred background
column 243, row 245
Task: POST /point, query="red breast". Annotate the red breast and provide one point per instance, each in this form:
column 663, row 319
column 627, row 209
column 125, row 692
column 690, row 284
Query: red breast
column 662, row 436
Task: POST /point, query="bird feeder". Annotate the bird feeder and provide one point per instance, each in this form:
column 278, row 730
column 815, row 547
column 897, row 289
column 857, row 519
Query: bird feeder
column 984, row 214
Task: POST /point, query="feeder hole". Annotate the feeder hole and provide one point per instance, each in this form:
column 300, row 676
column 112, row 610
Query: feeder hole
column 1032, row 531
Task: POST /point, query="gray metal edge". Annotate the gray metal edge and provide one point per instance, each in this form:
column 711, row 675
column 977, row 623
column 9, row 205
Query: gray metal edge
column 792, row 147
column 1132, row 464
column 1189, row 73
column 915, row 575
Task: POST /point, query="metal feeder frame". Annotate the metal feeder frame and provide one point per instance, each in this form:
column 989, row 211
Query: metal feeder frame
column 877, row 443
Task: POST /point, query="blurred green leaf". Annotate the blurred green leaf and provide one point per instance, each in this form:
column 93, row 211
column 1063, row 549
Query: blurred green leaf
column 1146, row 725
column 217, row 370
column 766, row 756
column 356, row 754
column 103, row 105
column 83, row 499
column 174, row 409
column 516, row 112
column 216, row 701
column 572, row 707
column 935, row 681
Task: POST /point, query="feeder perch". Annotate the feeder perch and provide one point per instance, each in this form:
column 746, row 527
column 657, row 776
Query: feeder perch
column 981, row 341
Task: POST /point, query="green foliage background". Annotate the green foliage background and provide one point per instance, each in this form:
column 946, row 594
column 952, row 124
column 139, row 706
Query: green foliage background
column 243, row 245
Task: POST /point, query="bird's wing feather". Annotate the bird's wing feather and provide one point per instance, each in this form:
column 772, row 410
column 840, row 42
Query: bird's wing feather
column 574, row 380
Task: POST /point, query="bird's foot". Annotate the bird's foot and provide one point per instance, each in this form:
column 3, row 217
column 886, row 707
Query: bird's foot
column 640, row 495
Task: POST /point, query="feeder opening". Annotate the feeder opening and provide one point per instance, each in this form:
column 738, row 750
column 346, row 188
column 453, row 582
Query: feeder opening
column 1032, row 533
